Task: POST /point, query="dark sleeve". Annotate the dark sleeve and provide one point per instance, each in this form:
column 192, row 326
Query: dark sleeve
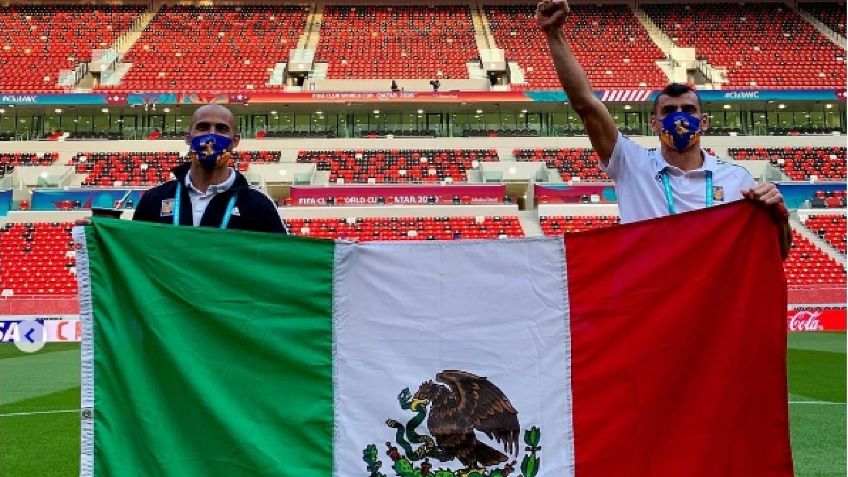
column 272, row 219
column 145, row 210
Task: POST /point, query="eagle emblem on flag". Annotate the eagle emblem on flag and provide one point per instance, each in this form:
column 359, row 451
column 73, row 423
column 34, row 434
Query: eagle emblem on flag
column 456, row 407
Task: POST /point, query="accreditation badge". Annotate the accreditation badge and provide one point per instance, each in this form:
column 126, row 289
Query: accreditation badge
column 718, row 193
column 167, row 209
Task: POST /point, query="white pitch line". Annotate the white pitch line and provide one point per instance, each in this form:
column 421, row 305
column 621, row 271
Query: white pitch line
column 55, row 411
column 821, row 403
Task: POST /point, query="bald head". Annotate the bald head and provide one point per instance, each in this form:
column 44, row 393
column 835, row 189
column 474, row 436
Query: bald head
column 213, row 119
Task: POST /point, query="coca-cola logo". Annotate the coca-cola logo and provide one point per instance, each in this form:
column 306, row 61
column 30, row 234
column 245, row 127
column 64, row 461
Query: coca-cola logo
column 805, row 321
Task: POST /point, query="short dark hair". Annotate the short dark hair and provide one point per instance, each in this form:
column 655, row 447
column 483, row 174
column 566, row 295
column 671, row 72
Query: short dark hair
column 674, row 90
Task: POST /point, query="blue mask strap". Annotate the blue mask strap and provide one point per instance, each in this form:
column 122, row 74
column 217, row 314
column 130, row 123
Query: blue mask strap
column 227, row 214
column 670, row 200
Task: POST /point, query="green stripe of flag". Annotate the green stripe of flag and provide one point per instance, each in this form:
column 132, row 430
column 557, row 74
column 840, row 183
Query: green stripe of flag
column 223, row 346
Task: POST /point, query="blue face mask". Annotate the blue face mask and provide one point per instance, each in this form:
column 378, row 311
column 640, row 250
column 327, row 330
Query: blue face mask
column 680, row 130
column 209, row 149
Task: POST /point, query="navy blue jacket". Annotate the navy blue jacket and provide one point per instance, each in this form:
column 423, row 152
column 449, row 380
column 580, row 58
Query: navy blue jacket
column 253, row 209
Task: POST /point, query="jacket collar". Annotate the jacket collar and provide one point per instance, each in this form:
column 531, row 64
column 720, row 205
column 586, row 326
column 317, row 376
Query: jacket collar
column 181, row 171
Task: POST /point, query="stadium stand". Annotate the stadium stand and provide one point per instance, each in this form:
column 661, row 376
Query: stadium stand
column 571, row 163
column 800, row 164
column 398, row 166
column 212, row 48
column 608, row 40
column 106, row 169
column 125, row 168
column 808, row 265
column 558, row 225
column 830, row 228
column 832, row 199
column 396, row 42
column 762, row 45
column 37, row 259
column 8, row 161
column 408, row 228
column 38, row 41
column 831, row 14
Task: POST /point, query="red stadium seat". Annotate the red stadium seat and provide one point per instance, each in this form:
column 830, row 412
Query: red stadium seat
column 220, row 48
column 35, row 259
column 762, row 45
column 610, row 43
column 396, row 42
column 408, row 228
column 800, row 164
column 398, row 166
column 41, row 40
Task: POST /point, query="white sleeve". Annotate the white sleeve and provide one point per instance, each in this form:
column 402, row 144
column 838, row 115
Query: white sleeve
column 624, row 153
column 748, row 181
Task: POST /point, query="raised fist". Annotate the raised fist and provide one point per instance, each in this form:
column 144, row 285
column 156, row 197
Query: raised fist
column 550, row 14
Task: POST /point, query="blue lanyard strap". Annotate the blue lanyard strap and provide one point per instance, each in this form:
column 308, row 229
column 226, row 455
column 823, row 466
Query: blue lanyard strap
column 227, row 214
column 670, row 200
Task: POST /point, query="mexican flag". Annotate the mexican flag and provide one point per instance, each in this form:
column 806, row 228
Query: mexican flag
column 650, row 349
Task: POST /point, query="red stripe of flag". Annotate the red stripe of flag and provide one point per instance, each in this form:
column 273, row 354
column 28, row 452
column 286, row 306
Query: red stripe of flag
column 679, row 347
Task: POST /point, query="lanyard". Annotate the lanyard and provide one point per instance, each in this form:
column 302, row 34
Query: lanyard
column 227, row 214
column 670, row 200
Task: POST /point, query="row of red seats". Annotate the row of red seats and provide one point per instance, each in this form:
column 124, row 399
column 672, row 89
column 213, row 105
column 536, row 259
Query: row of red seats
column 398, row 166
column 800, row 164
column 396, row 42
column 38, row 41
column 577, row 163
column 220, row 47
column 146, row 168
column 834, row 199
column 10, row 160
column 37, row 259
column 762, row 45
column 808, row 265
column 830, row 228
column 558, row 225
column 832, row 14
column 408, row 228
column 610, row 43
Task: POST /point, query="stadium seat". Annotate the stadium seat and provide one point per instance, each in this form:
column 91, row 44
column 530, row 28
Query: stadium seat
column 832, row 14
column 408, row 228
column 39, row 40
column 809, row 266
column 558, row 225
column 571, row 163
column 762, row 45
column 398, row 166
column 37, row 259
column 8, row 161
column 830, row 228
column 608, row 40
column 220, row 48
column 397, row 42
column 110, row 169
column 800, row 164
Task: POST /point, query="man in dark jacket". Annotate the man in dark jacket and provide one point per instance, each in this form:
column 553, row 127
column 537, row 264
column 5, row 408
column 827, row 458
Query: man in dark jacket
column 207, row 191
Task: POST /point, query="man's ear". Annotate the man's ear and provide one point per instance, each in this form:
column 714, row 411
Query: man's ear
column 656, row 126
column 236, row 140
column 188, row 139
column 705, row 122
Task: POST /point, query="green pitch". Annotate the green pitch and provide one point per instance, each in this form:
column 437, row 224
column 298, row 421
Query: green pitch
column 39, row 395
